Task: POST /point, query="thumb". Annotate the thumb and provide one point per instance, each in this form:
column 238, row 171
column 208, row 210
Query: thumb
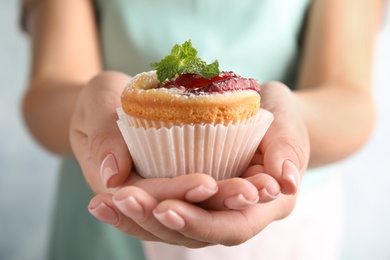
column 285, row 146
column 95, row 137
column 284, row 159
column 112, row 155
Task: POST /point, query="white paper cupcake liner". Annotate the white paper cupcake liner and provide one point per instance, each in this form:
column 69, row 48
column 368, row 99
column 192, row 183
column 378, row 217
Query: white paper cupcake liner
column 161, row 150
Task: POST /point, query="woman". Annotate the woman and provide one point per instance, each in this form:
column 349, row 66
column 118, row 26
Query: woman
column 322, row 49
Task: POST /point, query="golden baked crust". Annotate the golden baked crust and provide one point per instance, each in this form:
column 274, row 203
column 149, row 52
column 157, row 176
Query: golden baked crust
column 141, row 99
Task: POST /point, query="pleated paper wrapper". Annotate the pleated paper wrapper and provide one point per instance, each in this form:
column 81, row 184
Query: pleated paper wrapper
column 160, row 149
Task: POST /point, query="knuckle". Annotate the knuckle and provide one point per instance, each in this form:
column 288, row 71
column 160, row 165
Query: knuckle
column 96, row 143
column 297, row 151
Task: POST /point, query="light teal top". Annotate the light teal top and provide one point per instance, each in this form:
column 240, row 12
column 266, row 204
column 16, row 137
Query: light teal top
column 254, row 38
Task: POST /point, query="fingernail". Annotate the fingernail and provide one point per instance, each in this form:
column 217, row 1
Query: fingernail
column 291, row 174
column 131, row 208
column 170, row 219
column 104, row 213
column 200, row 193
column 265, row 196
column 239, row 202
column 108, row 169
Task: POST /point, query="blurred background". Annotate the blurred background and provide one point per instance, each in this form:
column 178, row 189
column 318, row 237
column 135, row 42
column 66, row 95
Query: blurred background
column 28, row 174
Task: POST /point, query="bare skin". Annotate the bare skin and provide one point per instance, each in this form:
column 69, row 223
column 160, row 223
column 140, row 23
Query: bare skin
column 327, row 119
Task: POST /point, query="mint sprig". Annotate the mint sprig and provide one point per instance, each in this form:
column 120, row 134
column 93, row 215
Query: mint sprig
column 183, row 60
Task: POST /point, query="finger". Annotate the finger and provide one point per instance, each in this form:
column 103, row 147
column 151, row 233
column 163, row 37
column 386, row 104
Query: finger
column 103, row 149
column 234, row 193
column 285, row 147
column 194, row 187
column 105, row 140
column 138, row 206
column 267, row 186
column 283, row 165
column 230, row 227
column 102, row 208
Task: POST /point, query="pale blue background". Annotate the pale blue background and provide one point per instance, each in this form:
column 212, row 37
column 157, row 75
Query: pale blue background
column 28, row 174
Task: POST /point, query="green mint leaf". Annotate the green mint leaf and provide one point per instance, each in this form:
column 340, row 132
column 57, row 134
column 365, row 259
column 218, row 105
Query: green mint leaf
column 183, row 59
column 211, row 70
column 187, row 50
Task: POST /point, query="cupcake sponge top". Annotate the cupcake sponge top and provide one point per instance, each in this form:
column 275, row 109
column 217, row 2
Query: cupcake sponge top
column 142, row 99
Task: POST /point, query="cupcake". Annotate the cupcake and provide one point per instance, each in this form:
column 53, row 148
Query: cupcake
column 186, row 116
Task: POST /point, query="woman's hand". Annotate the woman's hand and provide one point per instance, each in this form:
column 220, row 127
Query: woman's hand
column 285, row 149
column 170, row 210
column 94, row 135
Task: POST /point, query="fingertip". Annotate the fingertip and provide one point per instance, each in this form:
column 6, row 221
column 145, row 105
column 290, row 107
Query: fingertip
column 234, row 193
column 281, row 164
column 131, row 207
column 290, row 177
column 114, row 172
column 238, row 202
column 268, row 187
column 105, row 214
column 194, row 187
column 170, row 218
column 200, row 193
column 100, row 207
column 108, row 169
